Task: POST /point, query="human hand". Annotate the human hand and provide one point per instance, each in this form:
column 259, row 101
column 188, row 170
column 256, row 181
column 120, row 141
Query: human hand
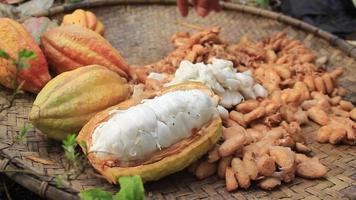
column 202, row 7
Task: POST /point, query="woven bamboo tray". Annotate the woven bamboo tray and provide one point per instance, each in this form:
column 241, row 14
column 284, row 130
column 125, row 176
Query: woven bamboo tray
column 141, row 30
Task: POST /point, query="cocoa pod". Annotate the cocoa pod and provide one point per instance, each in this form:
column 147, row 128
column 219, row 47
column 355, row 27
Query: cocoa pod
column 85, row 19
column 71, row 99
column 15, row 38
column 72, row 46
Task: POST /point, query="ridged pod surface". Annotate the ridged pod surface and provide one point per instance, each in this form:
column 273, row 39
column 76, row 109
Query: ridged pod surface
column 171, row 163
column 85, row 19
column 69, row 100
column 15, row 38
column 72, row 46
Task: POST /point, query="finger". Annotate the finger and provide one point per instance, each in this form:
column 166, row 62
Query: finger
column 216, row 6
column 183, row 7
column 195, row 4
column 203, row 7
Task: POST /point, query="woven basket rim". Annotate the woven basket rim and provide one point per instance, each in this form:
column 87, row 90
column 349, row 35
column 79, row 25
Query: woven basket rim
column 46, row 190
column 334, row 40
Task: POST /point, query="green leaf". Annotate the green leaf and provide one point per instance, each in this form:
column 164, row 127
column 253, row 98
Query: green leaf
column 23, row 131
column 24, row 54
column 95, row 194
column 70, row 140
column 23, row 57
column 75, row 1
column 69, row 145
column 263, row 3
column 4, row 55
column 131, row 188
column 59, row 181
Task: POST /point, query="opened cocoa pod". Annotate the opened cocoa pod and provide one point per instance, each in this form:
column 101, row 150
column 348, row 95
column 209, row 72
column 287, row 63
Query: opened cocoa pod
column 155, row 137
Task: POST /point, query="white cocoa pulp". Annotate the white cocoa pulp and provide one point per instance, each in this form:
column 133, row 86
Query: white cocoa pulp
column 222, row 78
column 157, row 76
column 136, row 133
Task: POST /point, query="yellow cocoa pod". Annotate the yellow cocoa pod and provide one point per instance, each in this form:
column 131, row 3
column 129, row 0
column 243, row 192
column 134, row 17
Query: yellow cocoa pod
column 69, row 100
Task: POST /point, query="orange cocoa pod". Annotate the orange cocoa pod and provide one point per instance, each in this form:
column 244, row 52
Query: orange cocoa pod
column 100, row 28
column 92, row 21
column 70, row 47
column 15, row 38
column 85, row 19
